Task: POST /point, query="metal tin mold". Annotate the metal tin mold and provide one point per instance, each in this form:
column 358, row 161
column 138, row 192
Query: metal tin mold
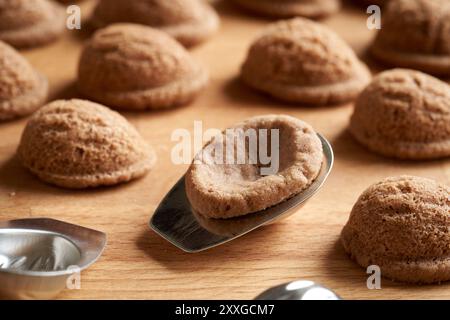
column 37, row 256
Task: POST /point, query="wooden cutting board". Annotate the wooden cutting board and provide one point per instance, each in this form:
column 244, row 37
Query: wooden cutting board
column 137, row 263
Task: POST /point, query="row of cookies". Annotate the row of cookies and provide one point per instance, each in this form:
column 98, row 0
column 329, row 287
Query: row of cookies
column 33, row 23
column 309, row 65
column 79, row 144
column 130, row 66
column 399, row 224
column 419, row 40
column 27, row 23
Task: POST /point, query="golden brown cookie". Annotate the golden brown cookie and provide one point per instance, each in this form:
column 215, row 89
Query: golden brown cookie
column 188, row 21
column 415, row 34
column 25, row 23
column 225, row 189
column 291, row 8
column 402, row 224
column 301, row 61
column 130, row 66
column 79, row 144
column 404, row 114
column 22, row 88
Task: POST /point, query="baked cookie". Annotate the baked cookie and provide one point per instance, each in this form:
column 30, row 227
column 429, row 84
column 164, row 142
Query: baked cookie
column 377, row 2
column 188, row 21
column 79, row 144
column 291, row 8
column 404, row 114
column 25, row 23
column 301, row 61
column 415, row 34
column 236, row 186
column 402, row 224
column 134, row 67
column 22, row 88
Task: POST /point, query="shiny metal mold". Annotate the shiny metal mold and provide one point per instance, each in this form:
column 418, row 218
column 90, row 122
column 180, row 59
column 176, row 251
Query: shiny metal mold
column 298, row 290
column 37, row 256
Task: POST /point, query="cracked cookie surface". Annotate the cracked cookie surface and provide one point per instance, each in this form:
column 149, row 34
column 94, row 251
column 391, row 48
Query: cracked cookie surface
column 419, row 40
column 303, row 62
column 130, row 66
column 404, row 114
column 402, row 225
column 80, row 144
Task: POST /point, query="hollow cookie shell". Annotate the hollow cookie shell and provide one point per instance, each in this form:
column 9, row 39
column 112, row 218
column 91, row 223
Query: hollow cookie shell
column 291, row 8
column 225, row 190
column 404, row 114
column 188, row 21
column 402, row 224
column 128, row 66
column 22, row 88
column 420, row 39
column 80, row 144
column 25, row 23
column 301, row 61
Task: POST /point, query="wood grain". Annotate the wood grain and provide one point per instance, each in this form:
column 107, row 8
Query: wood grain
column 138, row 263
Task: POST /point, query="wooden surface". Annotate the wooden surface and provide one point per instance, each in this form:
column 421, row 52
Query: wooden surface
column 139, row 264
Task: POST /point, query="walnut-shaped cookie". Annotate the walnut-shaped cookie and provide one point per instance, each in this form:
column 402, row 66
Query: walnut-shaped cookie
column 189, row 21
column 29, row 23
column 134, row 67
column 80, row 144
column 404, row 114
column 376, row 2
column 22, row 88
column 402, row 225
column 241, row 184
column 291, row 8
column 415, row 34
column 303, row 62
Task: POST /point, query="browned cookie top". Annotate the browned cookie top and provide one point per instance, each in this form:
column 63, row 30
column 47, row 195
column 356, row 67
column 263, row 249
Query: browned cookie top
column 187, row 20
column 416, row 26
column 77, row 143
column 16, row 14
column 291, row 8
column 400, row 219
column 149, row 12
column 17, row 76
column 125, row 57
column 131, row 66
column 302, row 53
column 22, row 89
column 25, row 23
column 406, row 111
